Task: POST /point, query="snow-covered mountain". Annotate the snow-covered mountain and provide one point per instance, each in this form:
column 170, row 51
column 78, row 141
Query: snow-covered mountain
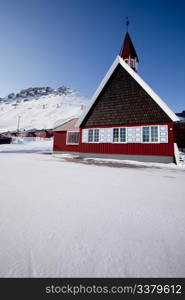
column 40, row 108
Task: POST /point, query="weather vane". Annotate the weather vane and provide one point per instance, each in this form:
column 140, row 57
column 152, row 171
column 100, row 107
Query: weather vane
column 127, row 22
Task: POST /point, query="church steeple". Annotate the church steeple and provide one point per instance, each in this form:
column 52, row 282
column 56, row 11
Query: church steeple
column 128, row 52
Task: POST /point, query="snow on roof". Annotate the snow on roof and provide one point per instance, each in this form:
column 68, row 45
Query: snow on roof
column 69, row 125
column 141, row 82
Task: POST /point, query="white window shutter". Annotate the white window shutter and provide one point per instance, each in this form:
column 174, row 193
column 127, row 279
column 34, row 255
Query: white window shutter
column 84, row 135
column 105, row 135
column 109, row 135
column 134, row 134
column 102, row 135
column 163, row 133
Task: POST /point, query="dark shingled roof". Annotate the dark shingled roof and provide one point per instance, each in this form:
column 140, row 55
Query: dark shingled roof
column 123, row 101
column 128, row 49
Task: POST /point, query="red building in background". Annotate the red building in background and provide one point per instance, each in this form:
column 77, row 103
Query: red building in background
column 125, row 118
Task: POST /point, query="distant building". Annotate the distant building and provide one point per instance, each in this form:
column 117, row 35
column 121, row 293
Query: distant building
column 43, row 133
column 181, row 115
column 179, row 128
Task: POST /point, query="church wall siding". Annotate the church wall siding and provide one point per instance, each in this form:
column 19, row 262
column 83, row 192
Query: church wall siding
column 166, row 149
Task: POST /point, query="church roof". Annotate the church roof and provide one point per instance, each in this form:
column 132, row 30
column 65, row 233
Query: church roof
column 69, row 125
column 128, row 49
column 140, row 81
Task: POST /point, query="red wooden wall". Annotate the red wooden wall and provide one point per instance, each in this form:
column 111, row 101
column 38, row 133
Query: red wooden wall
column 164, row 149
column 60, row 143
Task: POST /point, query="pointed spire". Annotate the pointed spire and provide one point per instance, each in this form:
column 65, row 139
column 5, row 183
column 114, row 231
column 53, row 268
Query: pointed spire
column 128, row 52
column 128, row 48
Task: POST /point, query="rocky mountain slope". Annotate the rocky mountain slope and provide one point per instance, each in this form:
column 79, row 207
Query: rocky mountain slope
column 39, row 108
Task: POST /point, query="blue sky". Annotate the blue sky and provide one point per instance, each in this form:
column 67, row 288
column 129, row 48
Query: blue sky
column 74, row 42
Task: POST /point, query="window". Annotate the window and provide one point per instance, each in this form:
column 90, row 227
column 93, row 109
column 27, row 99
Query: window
column 154, row 134
column 132, row 63
column 96, row 135
column 93, row 135
column 90, row 136
column 72, row 137
column 150, row 134
column 146, row 134
column 119, row 135
column 116, row 135
column 122, row 132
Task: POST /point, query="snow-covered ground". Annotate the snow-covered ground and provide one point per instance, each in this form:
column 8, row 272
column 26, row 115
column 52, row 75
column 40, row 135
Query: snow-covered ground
column 60, row 218
column 28, row 145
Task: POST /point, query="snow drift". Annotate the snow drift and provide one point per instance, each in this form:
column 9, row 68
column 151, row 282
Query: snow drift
column 65, row 219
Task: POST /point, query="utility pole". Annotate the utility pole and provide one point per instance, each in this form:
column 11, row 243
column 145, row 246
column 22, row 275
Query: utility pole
column 18, row 123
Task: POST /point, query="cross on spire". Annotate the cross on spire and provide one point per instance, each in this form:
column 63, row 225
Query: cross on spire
column 127, row 23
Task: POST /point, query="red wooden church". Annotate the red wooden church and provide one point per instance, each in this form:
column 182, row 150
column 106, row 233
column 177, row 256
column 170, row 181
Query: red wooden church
column 125, row 118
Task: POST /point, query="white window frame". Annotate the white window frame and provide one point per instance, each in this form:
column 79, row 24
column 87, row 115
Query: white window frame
column 119, row 142
column 126, row 133
column 67, row 137
column 93, row 142
column 158, row 133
